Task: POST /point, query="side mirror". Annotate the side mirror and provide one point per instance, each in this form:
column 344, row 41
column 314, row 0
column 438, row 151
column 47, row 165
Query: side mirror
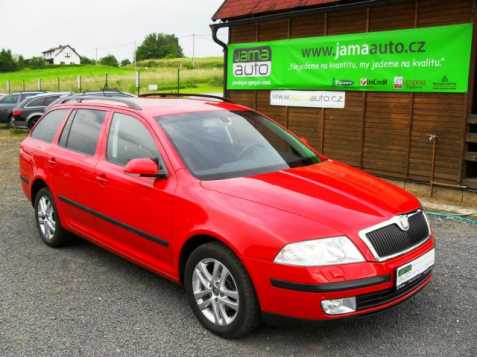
column 144, row 167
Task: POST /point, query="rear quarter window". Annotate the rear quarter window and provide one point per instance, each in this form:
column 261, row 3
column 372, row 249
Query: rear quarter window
column 46, row 128
column 82, row 132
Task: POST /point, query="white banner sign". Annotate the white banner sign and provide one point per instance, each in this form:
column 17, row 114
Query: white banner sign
column 309, row 99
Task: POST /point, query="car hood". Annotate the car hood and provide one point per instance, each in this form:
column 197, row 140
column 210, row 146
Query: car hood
column 330, row 193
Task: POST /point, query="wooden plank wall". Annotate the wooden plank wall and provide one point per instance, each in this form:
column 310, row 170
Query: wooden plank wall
column 384, row 133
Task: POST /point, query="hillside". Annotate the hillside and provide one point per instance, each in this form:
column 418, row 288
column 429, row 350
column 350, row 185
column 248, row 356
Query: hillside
column 206, row 76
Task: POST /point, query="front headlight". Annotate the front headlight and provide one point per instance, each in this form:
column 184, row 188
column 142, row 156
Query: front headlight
column 325, row 251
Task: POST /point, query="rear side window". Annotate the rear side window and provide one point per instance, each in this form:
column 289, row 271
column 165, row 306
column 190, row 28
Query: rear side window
column 129, row 139
column 46, row 128
column 10, row 99
column 82, row 132
column 48, row 100
column 36, row 102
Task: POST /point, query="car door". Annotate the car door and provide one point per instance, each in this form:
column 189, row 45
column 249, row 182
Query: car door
column 136, row 211
column 36, row 151
column 75, row 159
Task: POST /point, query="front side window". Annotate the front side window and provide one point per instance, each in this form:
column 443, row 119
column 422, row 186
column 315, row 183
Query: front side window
column 46, row 128
column 10, row 99
column 224, row 144
column 128, row 139
column 84, row 130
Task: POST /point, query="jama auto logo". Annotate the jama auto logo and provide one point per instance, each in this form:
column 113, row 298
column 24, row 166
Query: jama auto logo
column 252, row 62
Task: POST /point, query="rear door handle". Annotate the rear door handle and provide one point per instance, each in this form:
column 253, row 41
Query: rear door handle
column 52, row 161
column 102, row 179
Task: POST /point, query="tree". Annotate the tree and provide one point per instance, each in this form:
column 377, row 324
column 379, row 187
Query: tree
column 86, row 60
column 7, row 63
column 21, row 62
column 159, row 45
column 109, row 60
column 35, row 62
column 125, row 62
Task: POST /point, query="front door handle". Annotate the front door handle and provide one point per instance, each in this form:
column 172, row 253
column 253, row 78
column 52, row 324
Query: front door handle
column 102, row 179
column 52, row 161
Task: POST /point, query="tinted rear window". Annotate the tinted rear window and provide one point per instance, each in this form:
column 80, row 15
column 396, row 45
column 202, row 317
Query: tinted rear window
column 46, row 128
column 84, row 132
column 10, row 99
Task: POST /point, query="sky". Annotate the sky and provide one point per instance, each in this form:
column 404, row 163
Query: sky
column 28, row 27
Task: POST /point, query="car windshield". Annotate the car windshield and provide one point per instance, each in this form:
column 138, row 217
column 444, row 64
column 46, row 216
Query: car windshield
column 9, row 99
column 225, row 144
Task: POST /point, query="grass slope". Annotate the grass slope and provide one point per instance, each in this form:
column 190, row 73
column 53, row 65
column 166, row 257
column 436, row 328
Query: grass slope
column 205, row 76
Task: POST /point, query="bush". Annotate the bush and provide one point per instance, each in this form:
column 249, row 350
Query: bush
column 125, row 62
column 109, row 60
column 86, row 60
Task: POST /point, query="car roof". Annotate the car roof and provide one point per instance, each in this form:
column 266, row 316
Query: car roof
column 33, row 92
column 155, row 107
column 48, row 94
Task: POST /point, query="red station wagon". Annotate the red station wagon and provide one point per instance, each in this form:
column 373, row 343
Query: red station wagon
column 212, row 195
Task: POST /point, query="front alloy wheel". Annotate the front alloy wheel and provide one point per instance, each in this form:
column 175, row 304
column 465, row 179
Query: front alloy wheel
column 215, row 292
column 220, row 291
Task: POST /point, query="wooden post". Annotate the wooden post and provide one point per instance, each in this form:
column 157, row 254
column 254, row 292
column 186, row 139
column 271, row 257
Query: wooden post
column 178, row 79
column 39, row 84
column 78, row 83
column 138, row 83
column 59, row 84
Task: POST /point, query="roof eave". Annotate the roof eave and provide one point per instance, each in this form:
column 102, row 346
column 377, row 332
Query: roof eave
column 294, row 10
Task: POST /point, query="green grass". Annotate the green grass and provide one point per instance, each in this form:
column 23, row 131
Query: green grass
column 206, row 76
column 185, row 63
column 63, row 72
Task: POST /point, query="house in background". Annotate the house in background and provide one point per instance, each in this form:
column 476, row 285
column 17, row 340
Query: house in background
column 62, row 55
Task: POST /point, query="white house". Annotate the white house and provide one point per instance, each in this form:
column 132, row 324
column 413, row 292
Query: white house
column 62, row 55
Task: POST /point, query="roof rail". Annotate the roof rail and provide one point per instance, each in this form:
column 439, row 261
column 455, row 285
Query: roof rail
column 81, row 98
column 178, row 95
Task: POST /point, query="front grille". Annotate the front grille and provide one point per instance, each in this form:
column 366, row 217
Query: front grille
column 384, row 296
column 391, row 239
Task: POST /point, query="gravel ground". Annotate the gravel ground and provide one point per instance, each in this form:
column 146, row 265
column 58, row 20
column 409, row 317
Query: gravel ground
column 83, row 301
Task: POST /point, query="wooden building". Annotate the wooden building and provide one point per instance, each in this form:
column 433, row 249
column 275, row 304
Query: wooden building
column 387, row 133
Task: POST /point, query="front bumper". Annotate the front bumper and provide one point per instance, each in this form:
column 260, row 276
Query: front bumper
column 297, row 292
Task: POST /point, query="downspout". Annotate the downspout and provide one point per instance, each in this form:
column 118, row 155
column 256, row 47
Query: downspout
column 215, row 29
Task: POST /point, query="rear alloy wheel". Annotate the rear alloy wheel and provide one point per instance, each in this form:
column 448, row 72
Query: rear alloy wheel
column 220, row 292
column 47, row 220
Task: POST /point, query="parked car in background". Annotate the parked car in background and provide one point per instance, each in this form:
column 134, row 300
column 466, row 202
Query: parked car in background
column 3, row 95
column 10, row 101
column 27, row 113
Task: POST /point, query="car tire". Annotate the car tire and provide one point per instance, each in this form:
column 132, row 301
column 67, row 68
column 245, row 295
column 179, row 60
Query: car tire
column 230, row 323
column 47, row 220
column 32, row 122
